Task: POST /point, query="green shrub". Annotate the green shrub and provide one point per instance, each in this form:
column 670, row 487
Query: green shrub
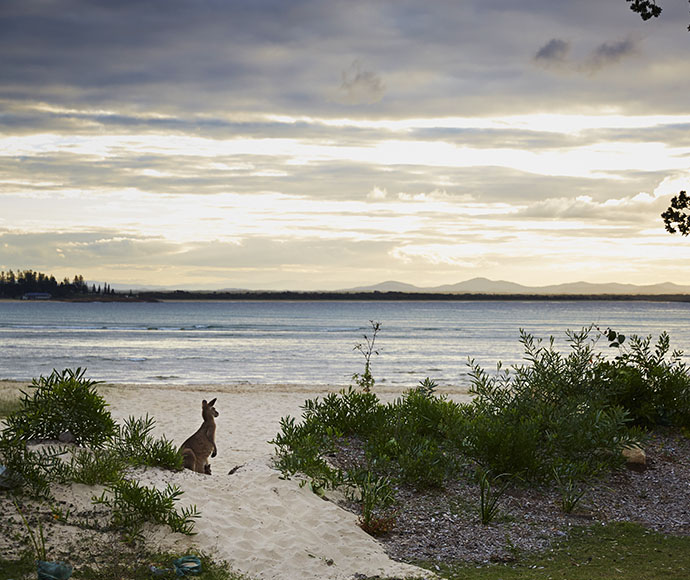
column 559, row 418
column 100, row 468
column 348, row 412
column 552, row 409
column 135, row 445
column 300, row 449
column 134, row 505
column 421, row 438
column 375, row 495
column 366, row 380
column 414, row 439
column 32, row 470
column 505, row 441
column 571, row 482
column 651, row 384
column 63, row 401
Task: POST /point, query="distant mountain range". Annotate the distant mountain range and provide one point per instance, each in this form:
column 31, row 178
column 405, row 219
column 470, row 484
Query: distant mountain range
column 486, row 286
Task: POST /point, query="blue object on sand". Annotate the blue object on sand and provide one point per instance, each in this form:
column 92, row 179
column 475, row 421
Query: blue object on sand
column 53, row 570
column 5, row 477
column 187, row 565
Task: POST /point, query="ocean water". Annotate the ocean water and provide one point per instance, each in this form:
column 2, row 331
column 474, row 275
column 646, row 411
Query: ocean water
column 270, row 342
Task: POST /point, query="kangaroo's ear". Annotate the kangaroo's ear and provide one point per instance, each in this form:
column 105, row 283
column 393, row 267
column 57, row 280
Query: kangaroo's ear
column 211, row 403
column 204, row 403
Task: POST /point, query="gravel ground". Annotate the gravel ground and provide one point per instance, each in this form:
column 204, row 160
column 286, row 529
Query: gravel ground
column 445, row 526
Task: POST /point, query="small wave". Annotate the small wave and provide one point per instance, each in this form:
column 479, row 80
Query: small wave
column 136, row 358
column 342, row 329
column 55, row 327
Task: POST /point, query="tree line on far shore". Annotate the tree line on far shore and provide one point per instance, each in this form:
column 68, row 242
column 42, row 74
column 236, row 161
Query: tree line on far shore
column 17, row 284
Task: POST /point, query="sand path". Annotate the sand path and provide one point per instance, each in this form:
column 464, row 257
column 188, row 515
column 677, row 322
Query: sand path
column 264, row 526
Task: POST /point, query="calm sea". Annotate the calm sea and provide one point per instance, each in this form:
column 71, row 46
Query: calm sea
column 301, row 342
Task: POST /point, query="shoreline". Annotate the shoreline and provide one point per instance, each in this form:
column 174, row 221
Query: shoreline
column 148, row 297
column 385, row 390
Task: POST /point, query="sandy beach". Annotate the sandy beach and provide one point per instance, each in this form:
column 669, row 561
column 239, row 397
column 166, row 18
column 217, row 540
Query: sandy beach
column 264, row 526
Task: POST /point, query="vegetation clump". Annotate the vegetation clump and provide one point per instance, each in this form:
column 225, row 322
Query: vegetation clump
column 133, row 505
column 551, row 414
column 102, row 453
column 651, row 382
column 33, row 463
column 63, row 402
column 559, row 420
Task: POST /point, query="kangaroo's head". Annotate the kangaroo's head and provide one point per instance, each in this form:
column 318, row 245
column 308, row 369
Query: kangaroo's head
column 208, row 411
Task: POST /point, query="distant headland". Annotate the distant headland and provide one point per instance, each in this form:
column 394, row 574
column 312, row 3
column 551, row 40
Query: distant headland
column 30, row 285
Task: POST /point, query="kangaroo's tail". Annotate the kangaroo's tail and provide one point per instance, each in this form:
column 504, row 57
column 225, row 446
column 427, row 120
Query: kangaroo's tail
column 188, row 458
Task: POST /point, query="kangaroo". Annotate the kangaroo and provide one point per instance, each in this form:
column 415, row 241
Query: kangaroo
column 198, row 447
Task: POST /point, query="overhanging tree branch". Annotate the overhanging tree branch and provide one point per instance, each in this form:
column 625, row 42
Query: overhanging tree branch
column 677, row 216
column 645, row 8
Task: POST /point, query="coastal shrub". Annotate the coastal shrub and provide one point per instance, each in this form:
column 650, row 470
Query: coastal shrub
column 504, row 441
column 301, row 449
column 375, row 494
column 134, row 443
column 31, row 470
column 651, row 383
column 63, row 401
column 421, row 438
column 414, row 440
column 424, row 464
column 551, row 409
column 133, row 505
column 348, row 412
column 559, row 418
column 365, row 380
column 95, row 468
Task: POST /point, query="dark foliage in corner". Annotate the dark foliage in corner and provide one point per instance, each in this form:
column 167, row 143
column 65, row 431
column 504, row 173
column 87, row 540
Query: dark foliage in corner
column 676, row 218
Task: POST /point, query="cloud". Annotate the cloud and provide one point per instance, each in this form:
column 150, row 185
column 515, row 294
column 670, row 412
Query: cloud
column 377, row 194
column 177, row 59
column 618, row 213
column 556, row 54
column 553, row 52
column 607, row 54
column 360, row 87
column 215, row 133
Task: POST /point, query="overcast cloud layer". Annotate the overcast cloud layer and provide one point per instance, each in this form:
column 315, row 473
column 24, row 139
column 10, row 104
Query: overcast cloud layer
column 323, row 145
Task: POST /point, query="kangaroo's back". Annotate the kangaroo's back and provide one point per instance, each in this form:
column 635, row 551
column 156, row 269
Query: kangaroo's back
column 197, row 448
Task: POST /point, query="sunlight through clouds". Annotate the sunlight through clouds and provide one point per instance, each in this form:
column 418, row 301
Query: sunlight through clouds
column 230, row 147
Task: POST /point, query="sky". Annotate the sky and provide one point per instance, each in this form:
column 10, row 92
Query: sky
column 322, row 145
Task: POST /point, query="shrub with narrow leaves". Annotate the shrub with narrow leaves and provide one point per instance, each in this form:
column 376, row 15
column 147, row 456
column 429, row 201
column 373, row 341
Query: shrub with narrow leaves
column 133, row 505
column 63, row 401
